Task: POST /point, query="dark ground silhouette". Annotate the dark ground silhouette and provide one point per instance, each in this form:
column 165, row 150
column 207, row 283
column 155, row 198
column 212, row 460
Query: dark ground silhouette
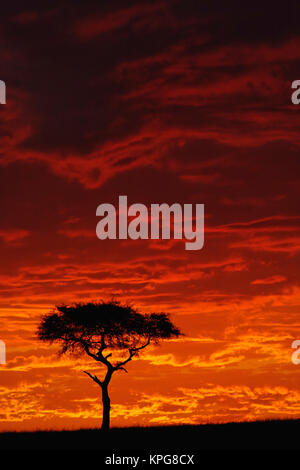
column 264, row 435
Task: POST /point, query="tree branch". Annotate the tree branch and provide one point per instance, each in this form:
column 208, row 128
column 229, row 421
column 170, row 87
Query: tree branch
column 89, row 353
column 93, row 377
column 99, row 356
column 103, row 345
column 132, row 353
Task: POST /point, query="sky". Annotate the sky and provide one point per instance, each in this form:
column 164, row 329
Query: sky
column 165, row 101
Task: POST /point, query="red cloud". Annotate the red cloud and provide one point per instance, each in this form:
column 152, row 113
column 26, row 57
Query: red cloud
column 269, row 280
column 92, row 26
column 13, row 235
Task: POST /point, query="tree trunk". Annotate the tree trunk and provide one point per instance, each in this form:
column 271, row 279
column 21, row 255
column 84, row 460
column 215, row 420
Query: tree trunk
column 106, row 408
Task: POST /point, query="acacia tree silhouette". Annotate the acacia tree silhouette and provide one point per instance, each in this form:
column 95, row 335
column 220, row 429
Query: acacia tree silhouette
column 93, row 327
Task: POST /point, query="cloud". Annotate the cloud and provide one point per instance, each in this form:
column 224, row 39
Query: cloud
column 90, row 27
column 13, row 235
column 269, row 280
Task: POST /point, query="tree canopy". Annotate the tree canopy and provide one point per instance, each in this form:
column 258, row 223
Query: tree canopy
column 90, row 325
